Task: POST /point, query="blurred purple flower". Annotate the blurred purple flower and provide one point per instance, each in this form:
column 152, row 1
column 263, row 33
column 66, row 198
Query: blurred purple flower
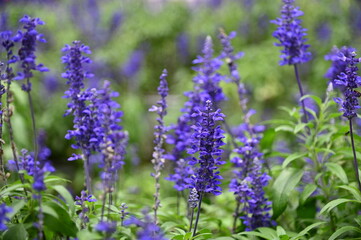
column 4, row 210
column 131, row 68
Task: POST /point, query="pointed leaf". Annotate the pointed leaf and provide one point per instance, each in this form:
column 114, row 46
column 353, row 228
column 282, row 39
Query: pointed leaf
column 343, row 230
column 338, row 171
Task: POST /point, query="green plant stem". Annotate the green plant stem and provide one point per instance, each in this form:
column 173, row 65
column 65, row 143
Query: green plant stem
column 236, row 214
column 355, row 163
column 198, row 212
column 301, row 93
column 32, row 114
column 87, row 174
column 191, row 220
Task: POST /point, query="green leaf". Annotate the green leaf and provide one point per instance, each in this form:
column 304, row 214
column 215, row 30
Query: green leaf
column 338, row 171
column 343, row 230
column 354, row 191
column 8, row 189
column 299, row 127
column 268, row 231
column 86, row 235
column 317, row 99
column 334, row 203
column 291, row 158
column 267, row 139
column 307, row 192
column 17, row 232
column 280, row 231
column 284, row 128
column 306, row 230
column 283, row 185
column 16, row 206
column 66, row 195
column 62, row 224
column 257, row 234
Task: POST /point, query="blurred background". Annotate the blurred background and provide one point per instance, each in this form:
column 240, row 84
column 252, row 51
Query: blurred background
column 134, row 40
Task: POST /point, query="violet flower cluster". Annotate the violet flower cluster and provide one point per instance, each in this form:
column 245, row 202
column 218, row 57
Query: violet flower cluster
column 4, row 210
column 84, row 125
column 159, row 136
column 291, row 35
column 36, row 170
column 338, row 64
column 113, row 138
column 82, row 202
column 349, row 80
column 27, row 57
column 206, row 87
column 249, row 182
column 230, row 58
column 206, row 141
column 148, row 229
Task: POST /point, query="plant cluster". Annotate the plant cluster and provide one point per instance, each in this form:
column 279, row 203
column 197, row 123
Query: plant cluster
column 229, row 182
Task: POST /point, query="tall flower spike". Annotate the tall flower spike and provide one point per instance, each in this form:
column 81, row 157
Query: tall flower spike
column 249, row 183
column 338, row 64
column 84, row 125
column 81, row 201
column 207, row 78
column 206, row 141
column 27, row 57
column 206, row 87
column 159, row 134
column 113, row 139
column 291, row 35
column 349, row 80
column 230, row 58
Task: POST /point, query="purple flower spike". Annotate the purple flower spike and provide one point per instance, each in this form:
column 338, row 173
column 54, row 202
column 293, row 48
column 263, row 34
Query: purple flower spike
column 249, row 182
column 349, row 80
column 206, row 141
column 338, row 64
column 27, row 56
column 159, row 136
column 81, row 201
column 291, row 35
column 112, row 139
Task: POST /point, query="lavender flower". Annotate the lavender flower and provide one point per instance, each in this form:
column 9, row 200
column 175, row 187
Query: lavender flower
column 350, row 81
column 338, row 64
column 207, row 140
column 159, row 134
column 135, row 61
column 113, row 138
column 4, row 210
column 250, row 181
column 291, row 35
column 207, row 78
column 148, row 229
column 81, row 201
column 27, row 56
column 230, row 58
column 206, row 87
column 182, row 175
column 107, row 227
